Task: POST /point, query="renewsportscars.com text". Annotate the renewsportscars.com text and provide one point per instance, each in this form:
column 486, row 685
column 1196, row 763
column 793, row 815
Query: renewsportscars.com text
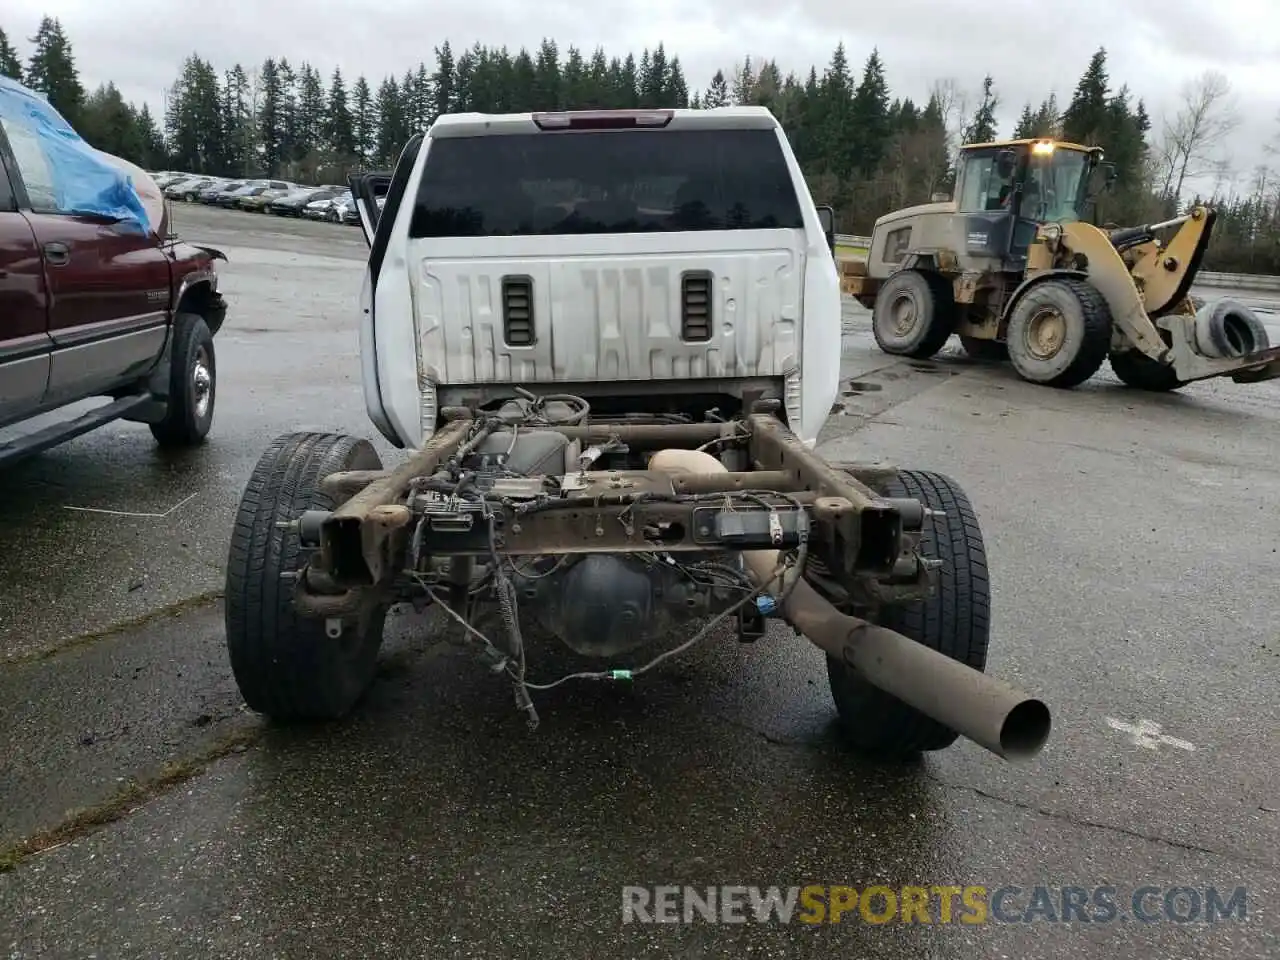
column 935, row 904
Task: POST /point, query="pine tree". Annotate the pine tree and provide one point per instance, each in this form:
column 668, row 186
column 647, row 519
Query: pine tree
column 194, row 119
column 982, row 128
column 154, row 154
column 1085, row 119
column 109, row 124
column 743, row 88
column 628, row 91
column 10, row 63
column 1048, row 120
column 718, row 92
column 655, row 78
column 310, row 112
column 363, row 121
column 525, row 78
column 424, row 101
column 239, row 122
column 598, row 78
column 271, row 118
column 575, row 82
column 390, row 138
column 442, row 82
column 546, row 78
column 52, row 70
column 677, row 86
column 1026, row 124
column 340, row 129
column 291, row 134
column 869, row 115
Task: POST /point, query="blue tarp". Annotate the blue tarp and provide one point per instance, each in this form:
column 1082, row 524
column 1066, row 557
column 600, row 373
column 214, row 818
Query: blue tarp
column 81, row 179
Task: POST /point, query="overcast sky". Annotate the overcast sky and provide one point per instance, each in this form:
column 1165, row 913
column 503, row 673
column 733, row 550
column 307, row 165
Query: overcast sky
column 1029, row 46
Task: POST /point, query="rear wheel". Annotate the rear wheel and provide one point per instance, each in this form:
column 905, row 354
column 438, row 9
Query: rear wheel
column 1059, row 333
column 287, row 666
column 955, row 621
column 913, row 314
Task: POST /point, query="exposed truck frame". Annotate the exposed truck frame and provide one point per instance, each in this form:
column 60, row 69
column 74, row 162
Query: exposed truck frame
column 531, row 510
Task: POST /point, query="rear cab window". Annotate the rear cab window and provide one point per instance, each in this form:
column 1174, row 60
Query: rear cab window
column 605, row 181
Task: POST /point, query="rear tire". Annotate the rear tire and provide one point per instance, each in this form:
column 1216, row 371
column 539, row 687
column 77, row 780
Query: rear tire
column 285, row 665
column 193, row 384
column 955, row 621
column 914, row 314
column 1135, row 369
column 1059, row 333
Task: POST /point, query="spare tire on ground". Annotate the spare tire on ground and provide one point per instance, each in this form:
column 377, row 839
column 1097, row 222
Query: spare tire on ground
column 1227, row 328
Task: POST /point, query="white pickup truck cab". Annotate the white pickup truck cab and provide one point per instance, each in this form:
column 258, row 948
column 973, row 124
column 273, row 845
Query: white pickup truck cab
column 652, row 260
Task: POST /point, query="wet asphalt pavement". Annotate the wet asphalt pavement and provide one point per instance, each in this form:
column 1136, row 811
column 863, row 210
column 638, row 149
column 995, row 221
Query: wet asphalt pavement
column 1133, row 547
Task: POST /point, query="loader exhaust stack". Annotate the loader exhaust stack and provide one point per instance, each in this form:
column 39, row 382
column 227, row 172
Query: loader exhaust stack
column 991, row 713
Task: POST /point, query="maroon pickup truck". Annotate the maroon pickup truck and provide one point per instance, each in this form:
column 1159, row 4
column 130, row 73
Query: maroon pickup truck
column 92, row 309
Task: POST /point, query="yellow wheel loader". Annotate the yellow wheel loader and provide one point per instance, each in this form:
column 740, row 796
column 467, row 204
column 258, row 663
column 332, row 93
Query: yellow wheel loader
column 1011, row 265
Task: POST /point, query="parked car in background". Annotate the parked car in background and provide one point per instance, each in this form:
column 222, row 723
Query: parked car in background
column 238, row 197
column 330, row 209
column 221, row 198
column 98, row 299
column 210, row 195
column 251, row 188
column 292, row 204
column 166, row 178
column 257, row 203
column 189, row 190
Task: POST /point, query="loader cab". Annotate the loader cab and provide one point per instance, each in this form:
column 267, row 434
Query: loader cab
column 1006, row 190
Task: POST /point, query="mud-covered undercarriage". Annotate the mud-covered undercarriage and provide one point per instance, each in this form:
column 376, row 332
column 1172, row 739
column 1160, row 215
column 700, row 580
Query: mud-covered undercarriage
column 534, row 518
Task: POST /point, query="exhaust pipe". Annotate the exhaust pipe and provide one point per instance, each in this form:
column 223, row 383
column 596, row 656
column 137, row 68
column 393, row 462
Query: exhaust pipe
column 987, row 711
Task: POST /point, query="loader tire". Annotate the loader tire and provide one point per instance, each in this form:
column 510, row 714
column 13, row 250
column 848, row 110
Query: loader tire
column 955, row 621
column 1059, row 333
column 286, row 665
column 1135, row 369
column 914, row 314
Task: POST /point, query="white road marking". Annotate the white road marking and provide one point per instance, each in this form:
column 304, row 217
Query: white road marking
column 1147, row 733
column 126, row 513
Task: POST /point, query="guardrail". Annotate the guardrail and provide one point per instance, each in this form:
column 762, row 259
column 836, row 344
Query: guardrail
column 1241, row 281
column 1238, row 281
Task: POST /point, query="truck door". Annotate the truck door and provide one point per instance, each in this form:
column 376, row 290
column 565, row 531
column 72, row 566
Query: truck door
column 24, row 337
column 108, row 286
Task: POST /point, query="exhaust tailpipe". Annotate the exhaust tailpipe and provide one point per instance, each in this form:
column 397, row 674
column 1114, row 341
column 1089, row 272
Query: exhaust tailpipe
column 990, row 712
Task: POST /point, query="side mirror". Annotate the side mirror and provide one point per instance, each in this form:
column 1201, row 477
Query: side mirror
column 1006, row 162
column 827, row 217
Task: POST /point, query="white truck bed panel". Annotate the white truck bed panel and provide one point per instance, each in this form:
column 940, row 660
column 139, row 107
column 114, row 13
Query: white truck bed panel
column 603, row 318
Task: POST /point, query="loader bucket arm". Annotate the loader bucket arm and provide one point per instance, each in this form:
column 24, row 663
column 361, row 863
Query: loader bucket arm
column 1165, row 276
column 1110, row 276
